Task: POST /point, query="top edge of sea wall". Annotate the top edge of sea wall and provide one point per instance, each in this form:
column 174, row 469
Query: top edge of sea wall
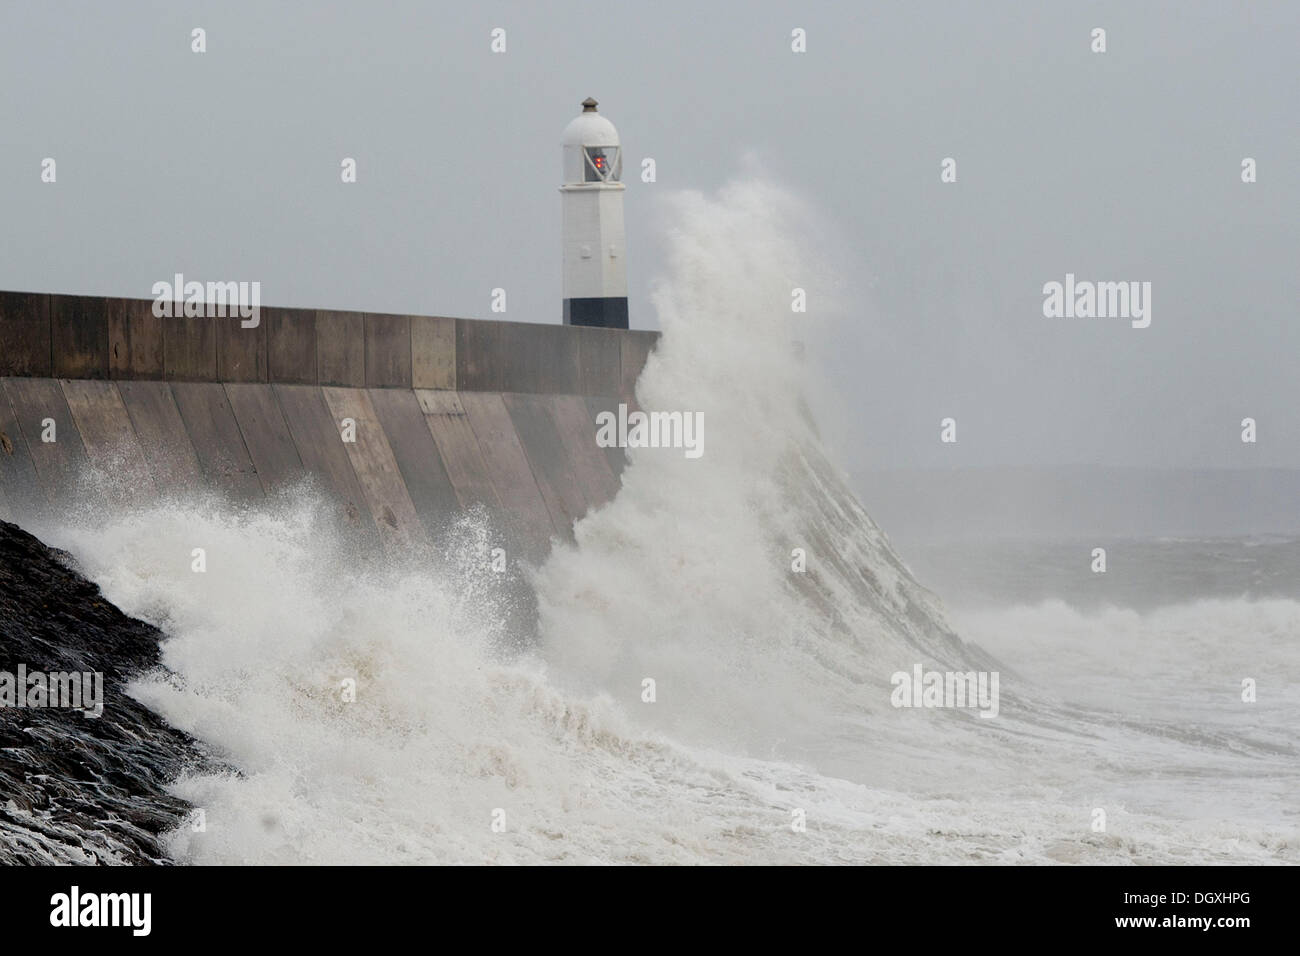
column 47, row 335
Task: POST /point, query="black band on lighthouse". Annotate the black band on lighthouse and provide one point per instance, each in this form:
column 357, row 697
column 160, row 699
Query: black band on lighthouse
column 601, row 313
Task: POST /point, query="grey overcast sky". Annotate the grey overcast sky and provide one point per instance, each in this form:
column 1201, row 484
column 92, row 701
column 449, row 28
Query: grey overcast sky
column 1117, row 166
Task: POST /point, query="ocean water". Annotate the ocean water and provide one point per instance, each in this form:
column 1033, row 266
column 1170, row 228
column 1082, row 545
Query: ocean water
column 771, row 736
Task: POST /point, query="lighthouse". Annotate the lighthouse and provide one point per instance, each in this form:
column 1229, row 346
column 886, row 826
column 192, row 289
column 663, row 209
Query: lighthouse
column 595, row 270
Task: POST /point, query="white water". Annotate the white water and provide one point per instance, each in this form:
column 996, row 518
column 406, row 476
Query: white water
column 772, row 688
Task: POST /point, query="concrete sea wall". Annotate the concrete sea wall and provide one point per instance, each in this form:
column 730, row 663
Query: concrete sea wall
column 449, row 413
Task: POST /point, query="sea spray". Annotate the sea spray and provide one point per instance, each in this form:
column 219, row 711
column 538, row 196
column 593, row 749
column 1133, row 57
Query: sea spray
column 686, row 578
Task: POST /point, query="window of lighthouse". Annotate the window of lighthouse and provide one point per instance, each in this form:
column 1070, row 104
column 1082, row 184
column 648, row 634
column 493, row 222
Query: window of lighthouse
column 602, row 164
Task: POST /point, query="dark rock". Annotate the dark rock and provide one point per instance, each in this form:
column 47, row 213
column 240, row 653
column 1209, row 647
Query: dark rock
column 75, row 789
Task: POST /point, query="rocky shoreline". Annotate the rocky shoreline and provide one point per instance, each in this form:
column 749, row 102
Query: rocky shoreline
column 78, row 789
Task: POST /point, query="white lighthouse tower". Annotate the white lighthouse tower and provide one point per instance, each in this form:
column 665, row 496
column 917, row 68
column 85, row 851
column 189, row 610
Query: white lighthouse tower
column 595, row 272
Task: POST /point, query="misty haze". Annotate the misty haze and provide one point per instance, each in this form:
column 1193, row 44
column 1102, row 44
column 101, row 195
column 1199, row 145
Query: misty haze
column 724, row 433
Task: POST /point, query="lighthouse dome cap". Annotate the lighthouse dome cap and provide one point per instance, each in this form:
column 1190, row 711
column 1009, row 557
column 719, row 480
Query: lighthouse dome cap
column 589, row 128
